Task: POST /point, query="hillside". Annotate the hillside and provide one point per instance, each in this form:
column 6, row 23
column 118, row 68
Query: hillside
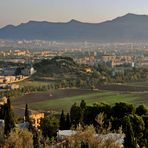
column 59, row 67
column 127, row 28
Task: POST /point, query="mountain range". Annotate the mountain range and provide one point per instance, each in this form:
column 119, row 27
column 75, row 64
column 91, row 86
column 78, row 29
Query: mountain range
column 127, row 28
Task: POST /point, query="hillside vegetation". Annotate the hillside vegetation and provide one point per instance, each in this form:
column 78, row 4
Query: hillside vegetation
column 60, row 67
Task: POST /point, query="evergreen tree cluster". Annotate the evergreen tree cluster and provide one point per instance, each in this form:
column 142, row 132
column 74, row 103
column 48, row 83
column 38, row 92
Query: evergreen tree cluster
column 133, row 120
column 65, row 122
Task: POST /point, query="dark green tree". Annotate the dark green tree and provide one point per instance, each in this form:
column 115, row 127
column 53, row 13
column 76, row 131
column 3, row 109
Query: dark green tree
column 9, row 118
column 122, row 109
column 75, row 114
column 129, row 140
column 141, row 110
column 49, row 126
column 144, row 142
column 133, row 125
column 27, row 118
column 138, row 126
column 83, row 105
column 62, row 121
column 91, row 112
column 68, row 122
column 119, row 111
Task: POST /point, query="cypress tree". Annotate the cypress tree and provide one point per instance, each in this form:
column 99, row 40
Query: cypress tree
column 62, row 121
column 68, row 122
column 9, row 118
column 27, row 119
column 82, row 107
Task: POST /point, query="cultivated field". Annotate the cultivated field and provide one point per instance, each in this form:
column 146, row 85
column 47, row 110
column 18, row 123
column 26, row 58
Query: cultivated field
column 64, row 98
column 134, row 92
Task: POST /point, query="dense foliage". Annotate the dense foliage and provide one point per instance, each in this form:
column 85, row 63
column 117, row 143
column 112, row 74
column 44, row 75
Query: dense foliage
column 102, row 117
column 133, row 120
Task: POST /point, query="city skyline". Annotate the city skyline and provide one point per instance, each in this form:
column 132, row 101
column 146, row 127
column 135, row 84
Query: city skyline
column 92, row 11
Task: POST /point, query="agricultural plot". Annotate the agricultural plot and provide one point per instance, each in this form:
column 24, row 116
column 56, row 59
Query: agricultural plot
column 64, row 98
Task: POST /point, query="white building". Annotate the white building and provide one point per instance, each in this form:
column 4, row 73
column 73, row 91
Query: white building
column 62, row 134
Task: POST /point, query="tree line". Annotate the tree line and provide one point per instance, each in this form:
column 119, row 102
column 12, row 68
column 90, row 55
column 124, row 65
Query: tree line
column 133, row 120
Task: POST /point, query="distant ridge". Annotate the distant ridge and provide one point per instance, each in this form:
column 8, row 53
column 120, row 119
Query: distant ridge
column 127, row 28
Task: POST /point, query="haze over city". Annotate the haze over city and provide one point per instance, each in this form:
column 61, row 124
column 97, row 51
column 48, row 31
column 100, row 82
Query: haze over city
column 16, row 11
column 74, row 74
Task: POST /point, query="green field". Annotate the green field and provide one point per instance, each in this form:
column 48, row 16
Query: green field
column 66, row 103
column 95, row 97
column 134, row 92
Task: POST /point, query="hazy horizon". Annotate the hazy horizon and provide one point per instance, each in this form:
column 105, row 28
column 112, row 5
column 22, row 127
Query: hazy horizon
column 91, row 11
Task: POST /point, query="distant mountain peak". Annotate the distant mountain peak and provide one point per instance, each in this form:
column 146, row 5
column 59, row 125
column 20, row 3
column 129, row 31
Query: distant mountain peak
column 131, row 14
column 128, row 28
column 131, row 17
column 134, row 15
column 8, row 27
column 74, row 21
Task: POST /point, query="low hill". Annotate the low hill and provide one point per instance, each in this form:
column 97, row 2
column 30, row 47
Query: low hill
column 60, row 67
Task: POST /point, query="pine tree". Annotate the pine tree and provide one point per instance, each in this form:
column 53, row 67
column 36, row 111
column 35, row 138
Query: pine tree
column 67, row 122
column 62, row 121
column 9, row 118
column 82, row 107
column 27, row 119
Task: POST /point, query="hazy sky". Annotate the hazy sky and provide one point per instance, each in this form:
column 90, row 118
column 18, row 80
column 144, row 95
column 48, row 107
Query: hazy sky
column 18, row 11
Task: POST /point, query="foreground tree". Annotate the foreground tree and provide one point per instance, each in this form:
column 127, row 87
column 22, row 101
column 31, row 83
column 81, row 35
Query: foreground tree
column 141, row 110
column 49, row 126
column 68, row 122
column 133, row 127
column 129, row 140
column 122, row 109
column 82, row 107
column 75, row 114
column 62, row 121
column 9, row 118
column 145, row 139
column 19, row 138
column 27, row 118
column 119, row 111
column 85, row 138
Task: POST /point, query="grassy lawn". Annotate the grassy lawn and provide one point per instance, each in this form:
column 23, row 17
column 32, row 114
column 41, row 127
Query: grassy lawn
column 99, row 96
